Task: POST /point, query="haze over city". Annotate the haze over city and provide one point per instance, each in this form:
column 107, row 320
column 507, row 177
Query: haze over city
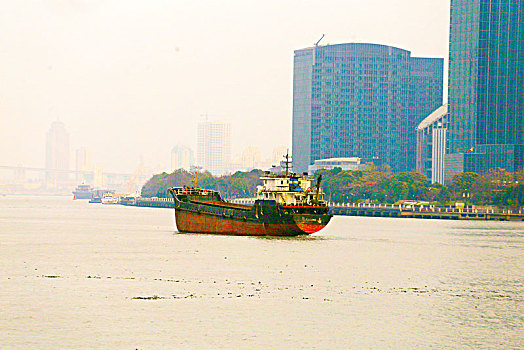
column 133, row 79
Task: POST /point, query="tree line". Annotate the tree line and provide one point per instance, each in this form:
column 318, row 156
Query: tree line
column 237, row 185
column 496, row 187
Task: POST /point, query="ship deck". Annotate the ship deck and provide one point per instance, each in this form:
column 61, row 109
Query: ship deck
column 224, row 204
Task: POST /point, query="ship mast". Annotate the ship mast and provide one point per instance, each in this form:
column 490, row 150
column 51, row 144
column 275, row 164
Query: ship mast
column 318, row 187
column 287, row 163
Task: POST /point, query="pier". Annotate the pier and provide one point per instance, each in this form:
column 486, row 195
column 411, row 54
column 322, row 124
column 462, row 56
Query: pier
column 424, row 212
column 150, row 202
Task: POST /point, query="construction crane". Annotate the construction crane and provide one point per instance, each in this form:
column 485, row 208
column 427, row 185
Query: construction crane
column 134, row 181
column 322, row 37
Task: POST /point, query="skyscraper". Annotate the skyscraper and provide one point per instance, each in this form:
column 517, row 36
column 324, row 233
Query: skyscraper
column 83, row 163
column 182, row 157
column 57, row 154
column 214, row 147
column 486, row 84
column 361, row 100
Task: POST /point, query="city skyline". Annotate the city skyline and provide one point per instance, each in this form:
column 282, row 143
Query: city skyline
column 132, row 81
column 67, row 161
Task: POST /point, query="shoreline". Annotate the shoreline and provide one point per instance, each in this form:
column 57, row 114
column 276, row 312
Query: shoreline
column 384, row 210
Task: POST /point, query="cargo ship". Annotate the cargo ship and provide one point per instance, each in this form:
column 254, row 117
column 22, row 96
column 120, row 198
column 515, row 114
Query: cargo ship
column 285, row 205
column 83, row 192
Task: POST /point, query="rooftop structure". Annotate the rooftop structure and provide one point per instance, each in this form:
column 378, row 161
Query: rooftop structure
column 431, row 145
column 352, row 163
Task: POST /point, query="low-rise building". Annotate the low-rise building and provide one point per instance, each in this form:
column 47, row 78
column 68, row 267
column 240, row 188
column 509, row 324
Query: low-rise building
column 351, row 163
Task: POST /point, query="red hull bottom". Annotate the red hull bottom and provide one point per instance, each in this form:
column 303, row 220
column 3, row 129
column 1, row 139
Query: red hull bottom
column 187, row 221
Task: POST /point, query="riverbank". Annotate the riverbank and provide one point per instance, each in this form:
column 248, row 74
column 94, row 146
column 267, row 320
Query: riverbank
column 425, row 212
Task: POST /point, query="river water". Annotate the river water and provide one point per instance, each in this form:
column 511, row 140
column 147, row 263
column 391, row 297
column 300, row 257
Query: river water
column 79, row 275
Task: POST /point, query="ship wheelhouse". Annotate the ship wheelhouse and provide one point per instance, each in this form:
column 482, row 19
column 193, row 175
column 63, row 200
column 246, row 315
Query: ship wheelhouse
column 292, row 190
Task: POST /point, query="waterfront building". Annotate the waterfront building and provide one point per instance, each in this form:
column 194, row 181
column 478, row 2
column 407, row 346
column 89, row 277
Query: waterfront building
column 182, row 157
column 214, row 147
column 57, row 155
column 361, row 100
column 486, row 85
column 352, row 163
column 431, row 145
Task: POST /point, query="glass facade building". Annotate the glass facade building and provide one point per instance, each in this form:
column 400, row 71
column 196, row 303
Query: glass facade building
column 486, row 80
column 485, row 157
column 361, row 100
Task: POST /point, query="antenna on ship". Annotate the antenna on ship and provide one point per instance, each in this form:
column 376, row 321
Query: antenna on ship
column 195, row 181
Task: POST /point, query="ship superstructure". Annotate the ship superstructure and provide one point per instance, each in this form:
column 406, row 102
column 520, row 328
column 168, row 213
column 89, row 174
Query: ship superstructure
column 290, row 190
column 83, row 191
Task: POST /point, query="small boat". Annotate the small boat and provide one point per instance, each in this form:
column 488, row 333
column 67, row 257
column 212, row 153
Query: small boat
column 285, row 205
column 95, row 199
column 129, row 199
column 108, row 198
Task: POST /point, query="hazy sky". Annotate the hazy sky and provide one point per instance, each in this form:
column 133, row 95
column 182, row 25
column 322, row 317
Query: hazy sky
column 133, row 78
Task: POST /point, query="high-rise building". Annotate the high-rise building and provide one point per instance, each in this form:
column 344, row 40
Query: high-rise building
column 431, row 145
column 361, row 100
column 182, row 157
column 214, row 147
column 83, row 162
column 486, row 84
column 57, row 154
column 250, row 158
column 278, row 154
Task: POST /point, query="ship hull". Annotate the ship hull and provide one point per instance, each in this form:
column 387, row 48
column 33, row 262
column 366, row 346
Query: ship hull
column 263, row 219
column 83, row 195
